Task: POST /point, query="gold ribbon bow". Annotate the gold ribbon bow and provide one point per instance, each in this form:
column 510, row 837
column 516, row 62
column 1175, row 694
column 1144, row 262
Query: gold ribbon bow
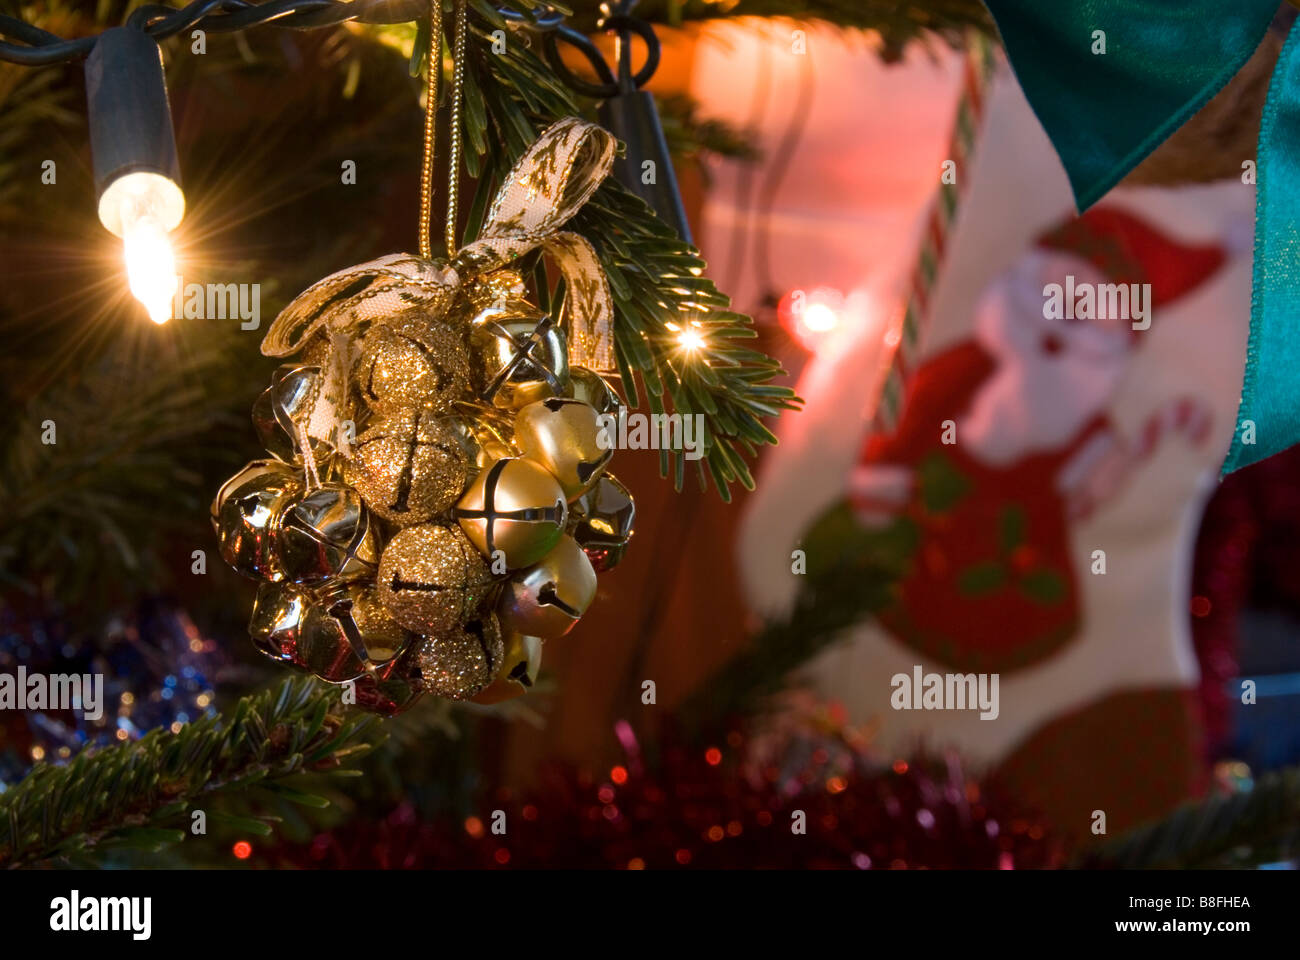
column 553, row 179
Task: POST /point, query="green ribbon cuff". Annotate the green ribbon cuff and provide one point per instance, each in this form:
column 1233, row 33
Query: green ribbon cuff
column 1106, row 111
column 1163, row 60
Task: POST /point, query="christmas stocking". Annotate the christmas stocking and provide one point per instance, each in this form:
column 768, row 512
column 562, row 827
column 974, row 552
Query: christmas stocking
column 1040, row 493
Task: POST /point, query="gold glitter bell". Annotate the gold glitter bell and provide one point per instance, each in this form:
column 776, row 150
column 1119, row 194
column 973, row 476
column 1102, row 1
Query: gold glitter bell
column 460, row 663
column 566, row 438
column 547, row 599
column 409, row 465
column 518, row 354
column 431, row 579
column 515, row 507
column 519, row 668
column 410, row 360
column 346, row 631
column 325, row 534
column 603, row 520
column 245, row 513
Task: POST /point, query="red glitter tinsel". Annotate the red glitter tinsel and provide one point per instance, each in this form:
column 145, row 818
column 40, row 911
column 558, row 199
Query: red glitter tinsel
column 701, row 807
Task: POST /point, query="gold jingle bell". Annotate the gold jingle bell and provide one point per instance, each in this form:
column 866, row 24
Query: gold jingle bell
column 547, row 599
column 245, row 513
column 460, row 663
column 484, row 432
column 409, row 465
column 518, row 353
column 346, row 631
column 516, row 507
column 431, row 579
column 412, row 360
column 566, row 437
column 519, row 668
column 276, row 624
column 602, row 521
column 592, row 389
column 326, row 534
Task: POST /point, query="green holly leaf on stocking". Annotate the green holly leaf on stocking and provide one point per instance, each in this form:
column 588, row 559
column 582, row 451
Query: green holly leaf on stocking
column 1043, row 586
column 981, row 578
column 940, row 483
column 1011, row 527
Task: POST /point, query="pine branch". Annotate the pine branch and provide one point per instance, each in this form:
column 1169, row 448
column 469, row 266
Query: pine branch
column 655, row 278
column 137, row 795
column 111, row 486
column 1223, row 830
column 851, row 573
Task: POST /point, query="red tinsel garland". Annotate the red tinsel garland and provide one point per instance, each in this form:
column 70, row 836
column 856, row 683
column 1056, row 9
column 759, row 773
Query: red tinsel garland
column 705, row 808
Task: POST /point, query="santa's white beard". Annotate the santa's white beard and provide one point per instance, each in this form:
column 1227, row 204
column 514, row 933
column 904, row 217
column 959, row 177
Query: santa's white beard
column 1034, row 402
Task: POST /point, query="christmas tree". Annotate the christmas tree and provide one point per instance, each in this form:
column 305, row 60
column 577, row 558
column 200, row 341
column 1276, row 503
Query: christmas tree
column 299, row 140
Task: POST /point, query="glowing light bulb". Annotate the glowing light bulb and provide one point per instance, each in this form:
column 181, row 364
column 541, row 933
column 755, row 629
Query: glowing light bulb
column 690, row 339
column 819, row 317
column 150, row 267
column 813, row 316
column 141, row 208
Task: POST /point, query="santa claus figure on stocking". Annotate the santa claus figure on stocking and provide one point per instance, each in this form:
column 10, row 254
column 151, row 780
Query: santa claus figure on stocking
column 1006, row 438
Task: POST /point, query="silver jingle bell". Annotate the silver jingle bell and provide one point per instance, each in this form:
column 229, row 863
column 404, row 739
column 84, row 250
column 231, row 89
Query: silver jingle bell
column 518, row 360
column 390, row 688
column 346, row 632
column 295, row 388
column 326, row 534
column 290, row 400
column 602, row 521
column 269, row 432
column 246, row 512
column 276, row 624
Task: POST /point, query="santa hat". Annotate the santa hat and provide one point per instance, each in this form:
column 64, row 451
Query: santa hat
column 1129, row 250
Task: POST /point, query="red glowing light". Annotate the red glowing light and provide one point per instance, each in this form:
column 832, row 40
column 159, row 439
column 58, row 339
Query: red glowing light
column 810, row 315
column 242, row 849
column 713, row 756
column 618, row 775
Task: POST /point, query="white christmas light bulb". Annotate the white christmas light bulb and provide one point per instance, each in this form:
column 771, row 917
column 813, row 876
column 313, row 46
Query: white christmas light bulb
column 141, row 208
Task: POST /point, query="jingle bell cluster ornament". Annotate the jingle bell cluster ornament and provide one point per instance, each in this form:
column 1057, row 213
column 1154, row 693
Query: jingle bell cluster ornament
column 437, row 502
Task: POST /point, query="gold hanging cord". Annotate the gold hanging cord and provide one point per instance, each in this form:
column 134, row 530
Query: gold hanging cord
column 433, row 71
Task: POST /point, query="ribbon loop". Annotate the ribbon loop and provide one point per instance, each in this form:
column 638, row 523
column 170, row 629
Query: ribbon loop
column 587, row 300
column 369, row 291
column 550, row 183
